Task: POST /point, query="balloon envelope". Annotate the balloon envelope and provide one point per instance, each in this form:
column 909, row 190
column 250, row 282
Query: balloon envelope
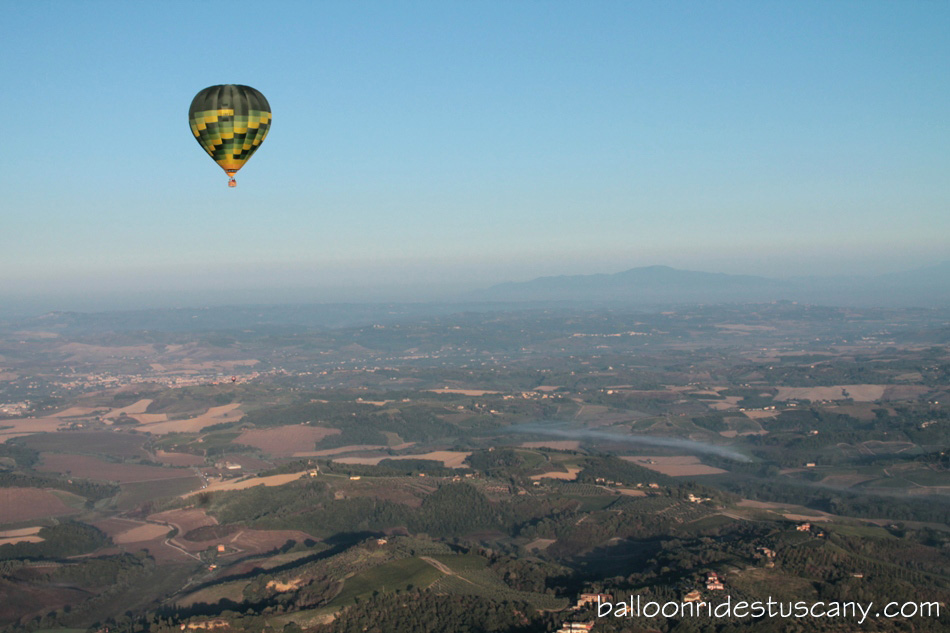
column 230, row 122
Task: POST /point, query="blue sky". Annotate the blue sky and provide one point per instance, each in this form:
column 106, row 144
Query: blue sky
column 420, row 147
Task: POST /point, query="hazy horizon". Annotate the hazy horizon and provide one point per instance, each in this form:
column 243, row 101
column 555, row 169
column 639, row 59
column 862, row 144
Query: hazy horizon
column 246, row 287
column 423, row 149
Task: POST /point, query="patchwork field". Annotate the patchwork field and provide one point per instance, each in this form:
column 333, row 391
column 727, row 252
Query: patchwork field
column 119, row 445
column 399, row 574
column 451, row 459
column 26, row 504
column 847, row 480
column 133, row 536
column 858, row 393
column 248, row 463
column 214, row 415
column 906, row 392
column 247, row 542
column 149, row 418
column 136, row 407
column 186, row 519
column 79, row 352
column 560, row 445
column 178, row 459
column 147, row 532
column 285, row 441
column 789, row 511
column 464, row 392
column 261, row 541
column 241, row 484
column 727, row 402
column 194, row 367
column 232, row 591
column 89, row 467
column 352, row 448
column 539, row 544
column 760, row 414
column 23, row 535
column 78, row 412
column 136, row 493
column 570, row 475
column 632, row 492
column 116, row 526
column 18, row 427
column 674, row 466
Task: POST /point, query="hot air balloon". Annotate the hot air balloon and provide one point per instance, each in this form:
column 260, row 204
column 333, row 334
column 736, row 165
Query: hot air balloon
column 230, row 122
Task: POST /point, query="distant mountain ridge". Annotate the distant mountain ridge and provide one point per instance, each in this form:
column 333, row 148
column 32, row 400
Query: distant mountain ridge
column 650, row 285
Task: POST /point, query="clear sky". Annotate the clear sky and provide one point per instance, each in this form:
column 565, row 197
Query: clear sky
column 460, row 144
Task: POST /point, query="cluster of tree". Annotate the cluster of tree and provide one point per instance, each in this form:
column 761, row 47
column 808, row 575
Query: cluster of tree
column 92, row 491
column 102, row 572
column 186, row 400
column 494, row 460
column 530, row 574
column 454, row 509
column 938, row 459
column 21, row 456
column 792, row 438
column 390, row 468
column 827, row 374
column 68, row 538
column 222, row 442
column 751, row 397
column 806, row 569
column 208, row 532
column 610, row 468
column 427, row 612
column 714, row 422
column 360, row 423
column 843, row 502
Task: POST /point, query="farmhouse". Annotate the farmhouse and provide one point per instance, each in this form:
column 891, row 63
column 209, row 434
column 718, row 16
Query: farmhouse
column 592, row 598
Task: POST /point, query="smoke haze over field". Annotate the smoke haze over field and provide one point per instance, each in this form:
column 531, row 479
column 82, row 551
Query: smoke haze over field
column 689, row 446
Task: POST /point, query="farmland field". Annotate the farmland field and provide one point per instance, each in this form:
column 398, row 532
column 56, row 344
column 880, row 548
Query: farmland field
column 186, row 519
column 88, row 467
column 388, row 577
column 26, row 504
column 77, row 412
column 352, row 448
column 137, row 407
column 214, row 415
column 465, row 392
column 272, row 480
column 120, row 445
column 451, row 459
column 23, row 535
column 570, row 475
column 147, row 532
column 675, row 466
column 285, row 441
column 178, row 459
column 114, row 526
column 261, row 541
column 18, row 427
column 136, row 493
column 561, row 445
column 233, row 591
column 858, row 393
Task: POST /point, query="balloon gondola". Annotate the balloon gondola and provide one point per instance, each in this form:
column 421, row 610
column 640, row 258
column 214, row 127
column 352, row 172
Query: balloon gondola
column 230, row 122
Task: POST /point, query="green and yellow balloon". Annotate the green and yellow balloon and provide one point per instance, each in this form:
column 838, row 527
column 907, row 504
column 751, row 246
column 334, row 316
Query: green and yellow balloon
column 230, row 122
